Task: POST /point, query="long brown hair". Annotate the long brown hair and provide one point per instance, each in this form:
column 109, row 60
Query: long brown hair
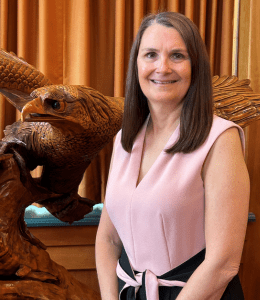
column 197, row 110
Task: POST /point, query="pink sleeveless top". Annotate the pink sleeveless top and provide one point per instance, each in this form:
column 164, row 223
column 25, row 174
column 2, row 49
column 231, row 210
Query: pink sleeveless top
column 161, row 221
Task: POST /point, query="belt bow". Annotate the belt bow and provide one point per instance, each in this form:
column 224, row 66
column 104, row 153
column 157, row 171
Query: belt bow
column 152, row 283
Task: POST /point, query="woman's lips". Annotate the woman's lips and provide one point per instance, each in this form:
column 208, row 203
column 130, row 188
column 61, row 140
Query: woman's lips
column 163, row 81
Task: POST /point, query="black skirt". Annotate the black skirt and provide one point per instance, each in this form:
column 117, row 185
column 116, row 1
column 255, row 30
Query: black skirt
column 180, row 273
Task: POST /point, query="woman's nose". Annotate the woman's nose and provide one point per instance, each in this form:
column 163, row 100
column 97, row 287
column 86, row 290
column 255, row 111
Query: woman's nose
column 163, row 66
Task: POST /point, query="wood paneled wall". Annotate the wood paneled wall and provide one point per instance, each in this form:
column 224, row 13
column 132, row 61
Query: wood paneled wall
column 73, row 248
column 249, row 67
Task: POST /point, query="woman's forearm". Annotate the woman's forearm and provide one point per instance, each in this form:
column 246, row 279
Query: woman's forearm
column 208, row 282
column 107, row 255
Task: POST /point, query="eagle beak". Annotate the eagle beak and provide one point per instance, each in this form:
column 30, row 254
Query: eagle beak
column 34, row 106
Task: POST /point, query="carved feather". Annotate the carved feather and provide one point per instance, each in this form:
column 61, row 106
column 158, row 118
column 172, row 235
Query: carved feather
column 235, row 100
column 18, row 79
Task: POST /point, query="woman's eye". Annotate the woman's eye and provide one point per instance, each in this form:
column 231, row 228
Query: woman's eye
column 150, row 54
column 178, row 56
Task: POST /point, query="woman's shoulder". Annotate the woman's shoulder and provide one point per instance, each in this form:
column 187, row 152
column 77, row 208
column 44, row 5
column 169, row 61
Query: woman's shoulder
column 223, row 124
column 227, row 148
column 220, row 127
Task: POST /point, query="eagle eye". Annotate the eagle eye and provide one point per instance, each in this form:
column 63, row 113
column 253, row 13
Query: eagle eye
column 58, row 106
column 55, row 105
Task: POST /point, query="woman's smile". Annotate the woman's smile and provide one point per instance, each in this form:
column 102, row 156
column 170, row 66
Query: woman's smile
column 163, row 82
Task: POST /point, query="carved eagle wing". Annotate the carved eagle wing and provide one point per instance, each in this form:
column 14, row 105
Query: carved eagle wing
column 18, row 79
column 235, row 100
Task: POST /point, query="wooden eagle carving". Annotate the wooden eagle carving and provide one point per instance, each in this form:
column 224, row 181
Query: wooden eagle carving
column 63, row 127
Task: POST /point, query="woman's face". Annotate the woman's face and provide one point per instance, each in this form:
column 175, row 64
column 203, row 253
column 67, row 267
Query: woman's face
column 163, row 63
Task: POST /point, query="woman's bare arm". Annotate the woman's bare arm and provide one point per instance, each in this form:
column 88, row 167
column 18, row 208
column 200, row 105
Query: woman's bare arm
column 226, row 184
column 108, row 248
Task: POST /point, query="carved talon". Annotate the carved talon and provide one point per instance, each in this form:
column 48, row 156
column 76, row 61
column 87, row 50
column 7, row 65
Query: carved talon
column 5, row 146
column 69, row 207
column 23, row 271
column 87, row 201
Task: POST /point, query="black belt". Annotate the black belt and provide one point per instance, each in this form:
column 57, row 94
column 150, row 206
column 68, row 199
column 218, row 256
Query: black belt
column 135, row 284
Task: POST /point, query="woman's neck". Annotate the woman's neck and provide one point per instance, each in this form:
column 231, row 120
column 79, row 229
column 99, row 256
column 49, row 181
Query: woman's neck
column 163, row 120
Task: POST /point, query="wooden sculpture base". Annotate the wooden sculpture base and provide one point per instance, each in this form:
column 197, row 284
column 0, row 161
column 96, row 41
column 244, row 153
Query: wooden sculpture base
column 26, row 269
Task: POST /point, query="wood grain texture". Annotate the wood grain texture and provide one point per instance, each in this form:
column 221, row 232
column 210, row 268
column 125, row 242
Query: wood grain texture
column 68, row 237
column 27, row 270
column 65, row 236
column 74, row 257
column 88, row 277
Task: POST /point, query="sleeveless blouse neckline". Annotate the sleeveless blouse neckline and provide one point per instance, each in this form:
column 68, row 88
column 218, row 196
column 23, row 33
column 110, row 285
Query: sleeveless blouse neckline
column 139, row 146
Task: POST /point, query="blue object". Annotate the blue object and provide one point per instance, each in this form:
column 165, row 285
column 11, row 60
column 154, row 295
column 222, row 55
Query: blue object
column 40, row 217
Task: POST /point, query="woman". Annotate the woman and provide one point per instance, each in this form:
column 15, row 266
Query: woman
column 177, row 197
